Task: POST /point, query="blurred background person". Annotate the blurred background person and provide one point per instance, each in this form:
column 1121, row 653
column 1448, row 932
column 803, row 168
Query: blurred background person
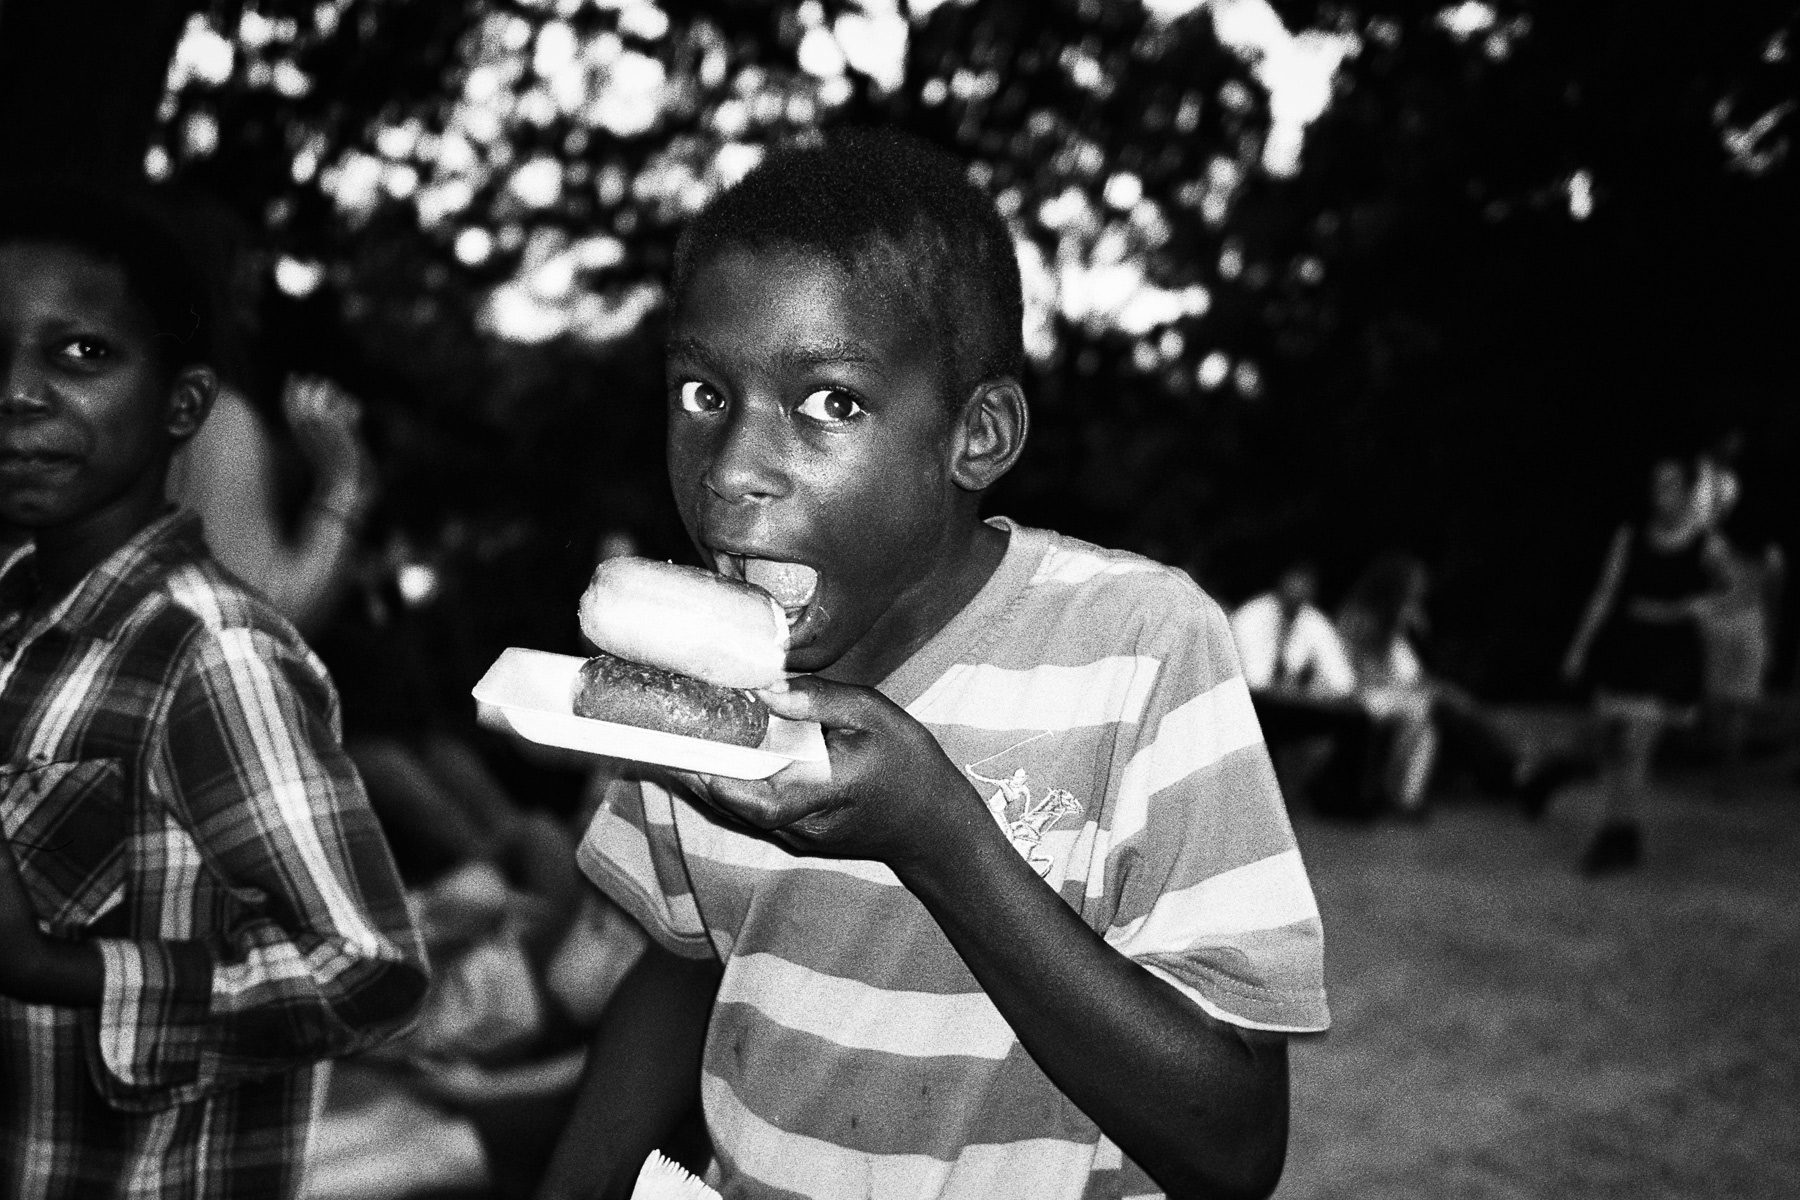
column 1638, row 648
column 1287, row 645
column 1425, row 718
column 1737, row 623
column 280, row 474
column 228, row 475
column 1302, row 684
column 1378, row 620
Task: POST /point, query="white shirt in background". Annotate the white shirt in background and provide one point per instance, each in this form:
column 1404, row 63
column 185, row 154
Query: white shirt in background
column 1310, row 648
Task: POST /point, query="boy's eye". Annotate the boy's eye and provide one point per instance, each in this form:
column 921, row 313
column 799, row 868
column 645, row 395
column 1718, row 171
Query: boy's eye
column 84, row 349
column 831, row 405
column 700, row 397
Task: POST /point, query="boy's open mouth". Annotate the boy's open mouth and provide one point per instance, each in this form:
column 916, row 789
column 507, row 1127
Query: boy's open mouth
column 792, row 584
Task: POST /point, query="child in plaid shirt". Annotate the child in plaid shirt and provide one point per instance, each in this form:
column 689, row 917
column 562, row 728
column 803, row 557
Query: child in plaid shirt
column 196, row 904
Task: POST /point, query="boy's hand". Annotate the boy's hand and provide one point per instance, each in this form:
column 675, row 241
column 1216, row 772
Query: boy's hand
column 35, row 967
column 19, row 934
column 888, row 795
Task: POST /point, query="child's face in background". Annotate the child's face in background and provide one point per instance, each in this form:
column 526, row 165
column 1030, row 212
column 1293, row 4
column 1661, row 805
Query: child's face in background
column 807, row 424
column 83, row 438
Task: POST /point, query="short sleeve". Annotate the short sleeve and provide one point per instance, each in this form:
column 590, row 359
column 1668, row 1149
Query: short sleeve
column 631, row 851
column 1203, row 882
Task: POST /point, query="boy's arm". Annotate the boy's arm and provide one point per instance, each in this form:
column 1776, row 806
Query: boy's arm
column 1201, row 1105
column 314, row 954
column 643, row 1074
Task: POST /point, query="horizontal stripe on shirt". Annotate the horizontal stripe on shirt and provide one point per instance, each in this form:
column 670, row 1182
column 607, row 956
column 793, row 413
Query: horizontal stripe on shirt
column 1041, row 698
column 856, row 1016
column 1266, row 894
column 1218, row 722
column 1043, row 1168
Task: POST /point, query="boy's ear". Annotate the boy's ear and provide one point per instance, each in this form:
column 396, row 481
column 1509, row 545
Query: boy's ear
column 191, row 398
column 990, row 434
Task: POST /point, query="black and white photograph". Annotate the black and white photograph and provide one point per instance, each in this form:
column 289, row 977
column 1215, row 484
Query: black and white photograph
column 899, row 600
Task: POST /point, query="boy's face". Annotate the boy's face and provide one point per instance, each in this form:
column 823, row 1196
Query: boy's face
column 87, row 420
column 807, row 425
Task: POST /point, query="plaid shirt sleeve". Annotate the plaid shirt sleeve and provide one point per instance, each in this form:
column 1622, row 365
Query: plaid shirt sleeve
column 319, row 957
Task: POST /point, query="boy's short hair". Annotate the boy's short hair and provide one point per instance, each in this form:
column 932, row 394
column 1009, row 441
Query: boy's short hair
column 130, row 232
column 900, row 216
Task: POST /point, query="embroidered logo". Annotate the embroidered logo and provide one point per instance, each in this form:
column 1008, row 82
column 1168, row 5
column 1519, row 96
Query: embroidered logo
column 1025, row 817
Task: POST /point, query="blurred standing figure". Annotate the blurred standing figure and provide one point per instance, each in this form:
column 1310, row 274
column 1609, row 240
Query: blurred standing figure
column 1716, row 484
column 279, row 474
column 226, row 473
column 1639, row 647
column 1737, row 633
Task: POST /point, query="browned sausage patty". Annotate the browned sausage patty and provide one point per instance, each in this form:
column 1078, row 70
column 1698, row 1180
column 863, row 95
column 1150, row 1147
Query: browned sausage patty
column 609, row 688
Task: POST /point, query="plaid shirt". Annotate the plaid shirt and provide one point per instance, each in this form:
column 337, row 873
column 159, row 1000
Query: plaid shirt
column 175, row 793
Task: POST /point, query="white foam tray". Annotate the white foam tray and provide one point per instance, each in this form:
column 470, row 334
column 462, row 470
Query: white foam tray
column 533, row 690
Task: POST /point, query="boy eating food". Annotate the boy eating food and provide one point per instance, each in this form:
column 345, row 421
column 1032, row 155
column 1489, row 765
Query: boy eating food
column 1043, row 929
column 196, row 904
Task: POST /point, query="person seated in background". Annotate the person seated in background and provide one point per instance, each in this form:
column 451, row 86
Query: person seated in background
column 1383, row 623
column 1303, row 686
column 1289, row 647
column 1378, row 620
column 525, row 952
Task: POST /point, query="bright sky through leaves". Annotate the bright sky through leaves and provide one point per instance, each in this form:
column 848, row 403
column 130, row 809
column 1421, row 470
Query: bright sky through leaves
column 481, row 177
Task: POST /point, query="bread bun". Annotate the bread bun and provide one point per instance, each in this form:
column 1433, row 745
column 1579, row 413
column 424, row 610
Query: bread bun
column 608, row 688
column 687, row 620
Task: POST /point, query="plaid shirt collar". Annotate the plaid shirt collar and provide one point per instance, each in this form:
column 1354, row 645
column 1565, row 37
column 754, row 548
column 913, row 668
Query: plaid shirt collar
column 113, row 589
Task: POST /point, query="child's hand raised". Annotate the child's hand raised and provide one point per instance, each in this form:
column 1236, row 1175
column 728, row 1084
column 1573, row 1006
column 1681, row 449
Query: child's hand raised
column 890, row 792
column 327, row 424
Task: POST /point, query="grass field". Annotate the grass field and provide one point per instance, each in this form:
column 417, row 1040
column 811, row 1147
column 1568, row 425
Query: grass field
column 1506, row 1028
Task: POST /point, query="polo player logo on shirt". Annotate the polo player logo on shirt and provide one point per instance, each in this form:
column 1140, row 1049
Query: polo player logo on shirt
column 1023, row 817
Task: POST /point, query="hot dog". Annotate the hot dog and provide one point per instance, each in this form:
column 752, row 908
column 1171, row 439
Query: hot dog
column 679, row 648
column 609, row 688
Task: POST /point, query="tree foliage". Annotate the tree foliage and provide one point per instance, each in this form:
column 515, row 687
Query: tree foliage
column 1525, row 246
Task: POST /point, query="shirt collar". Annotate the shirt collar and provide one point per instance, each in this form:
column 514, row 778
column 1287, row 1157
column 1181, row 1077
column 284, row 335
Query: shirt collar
column 114, row 587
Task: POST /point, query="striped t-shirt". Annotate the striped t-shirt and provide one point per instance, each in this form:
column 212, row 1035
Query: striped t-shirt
column 1093, row 698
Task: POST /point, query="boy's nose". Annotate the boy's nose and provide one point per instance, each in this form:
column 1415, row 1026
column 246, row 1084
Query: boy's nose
column 21, row 389
column 746, row 460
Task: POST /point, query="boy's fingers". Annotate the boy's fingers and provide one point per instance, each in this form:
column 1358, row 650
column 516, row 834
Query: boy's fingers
column 753, row 801
column 833, row 705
